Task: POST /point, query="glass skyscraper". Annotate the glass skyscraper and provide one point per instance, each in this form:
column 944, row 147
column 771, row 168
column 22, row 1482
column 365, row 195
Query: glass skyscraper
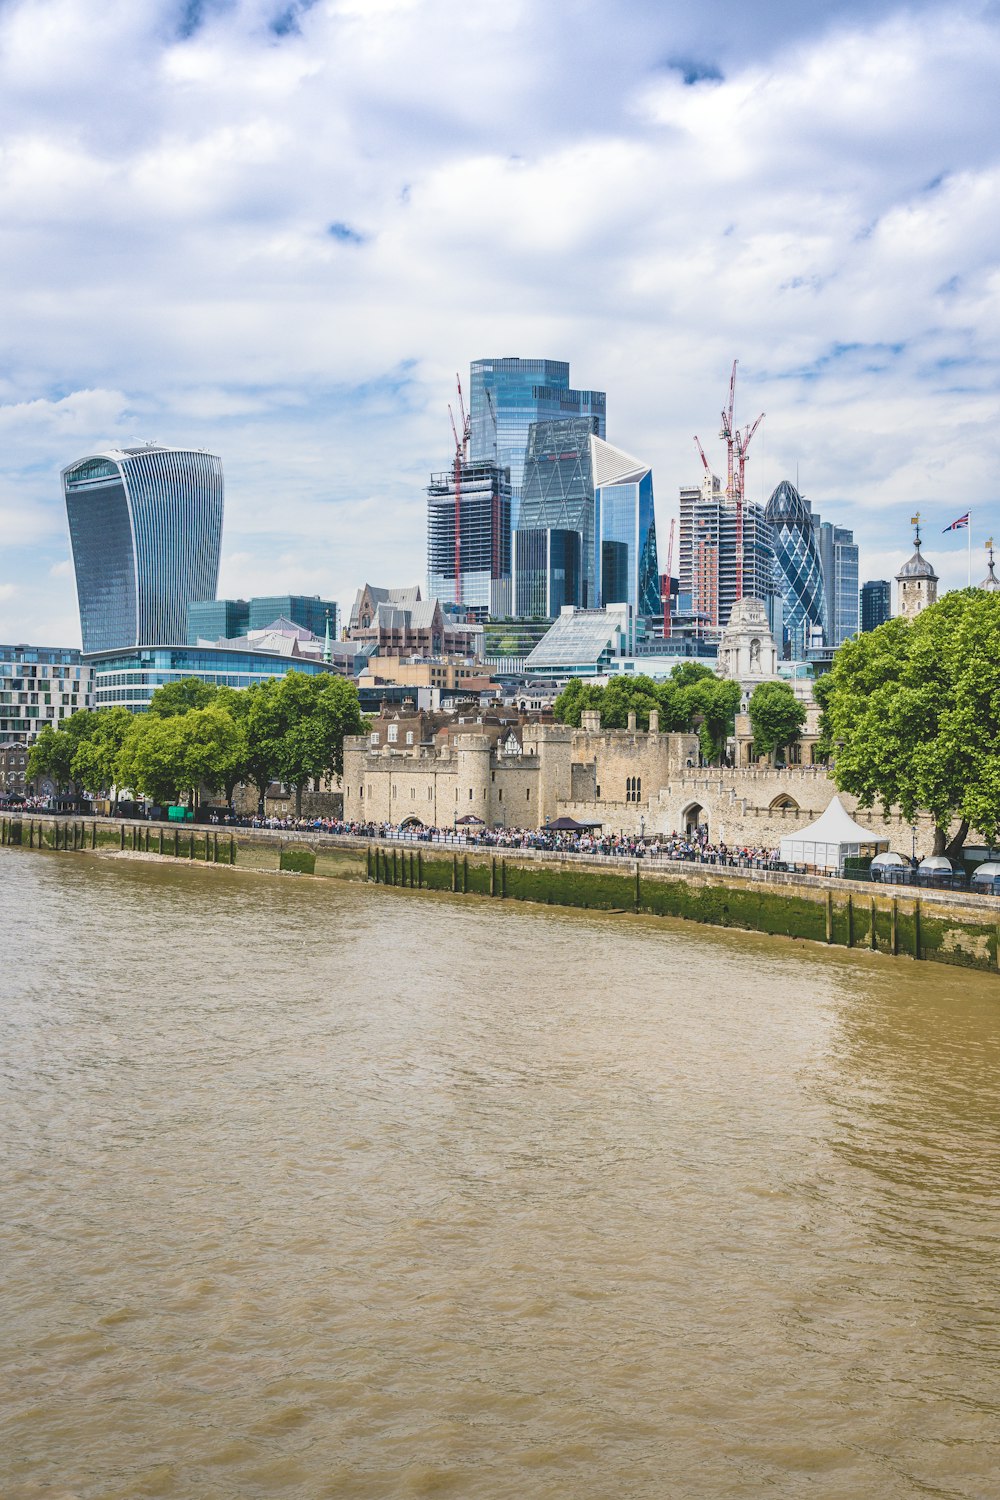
column 798, row 569
column 587, row 533
column 838, row 553
column 145, row 526
column 507, row 396
column 876, row 603
column 625, row 561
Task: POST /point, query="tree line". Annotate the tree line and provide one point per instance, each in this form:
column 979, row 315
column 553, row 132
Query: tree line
column 691, row 700
column 194, row 735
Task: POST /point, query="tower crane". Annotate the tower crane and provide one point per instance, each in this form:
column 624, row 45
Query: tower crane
column 666, row 599
column 461, row 457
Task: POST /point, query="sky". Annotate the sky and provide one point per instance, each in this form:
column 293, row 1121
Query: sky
column 277, row 230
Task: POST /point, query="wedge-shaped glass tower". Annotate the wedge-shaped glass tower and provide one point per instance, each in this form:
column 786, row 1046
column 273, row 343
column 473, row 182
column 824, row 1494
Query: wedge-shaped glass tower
column 145, row 526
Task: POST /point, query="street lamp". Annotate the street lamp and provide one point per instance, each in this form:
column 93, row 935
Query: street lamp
column 913, row 849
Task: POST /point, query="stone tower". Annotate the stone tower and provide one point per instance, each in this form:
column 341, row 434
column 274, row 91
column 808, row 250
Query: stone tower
column 916, row 581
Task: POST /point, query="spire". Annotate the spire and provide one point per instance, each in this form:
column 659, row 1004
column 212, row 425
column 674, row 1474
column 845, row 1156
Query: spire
column 991, row 583
column 327, row 653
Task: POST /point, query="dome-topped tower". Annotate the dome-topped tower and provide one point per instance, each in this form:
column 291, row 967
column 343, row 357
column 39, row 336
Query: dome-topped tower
column 747, row 653
column 991, row 583
column 917, row 581
column 798, row 570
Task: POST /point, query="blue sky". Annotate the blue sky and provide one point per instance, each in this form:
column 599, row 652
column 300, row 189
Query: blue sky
column 276, row 230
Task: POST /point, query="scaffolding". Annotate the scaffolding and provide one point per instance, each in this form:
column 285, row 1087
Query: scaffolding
column 483, row 553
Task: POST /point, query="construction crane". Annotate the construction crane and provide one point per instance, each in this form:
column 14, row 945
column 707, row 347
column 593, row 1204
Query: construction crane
column 666, row 595
column 737, row 444
column 708, row 467
column 461, row 457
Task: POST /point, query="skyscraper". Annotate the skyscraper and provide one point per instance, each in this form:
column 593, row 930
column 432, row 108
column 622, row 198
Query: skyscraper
column 876, row 603
column 558, row 497
column 707, row 584
column 483, row 559
column 145, row 528
column 625, row 560
column 507, row 395
column 799, row 571
column 838, row 555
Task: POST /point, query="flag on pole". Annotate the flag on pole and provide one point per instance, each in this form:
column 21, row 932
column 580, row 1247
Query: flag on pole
column 958, row 525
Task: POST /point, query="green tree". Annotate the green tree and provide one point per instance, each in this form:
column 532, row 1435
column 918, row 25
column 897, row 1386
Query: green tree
column 687, row 672
column 575, row 698
column 914, row 711
column 776, row 716
column 822, row 688
column 95, row 760
column 51, row 755
column 152, row 760
column 53, row 750
column 316, row 712
column 181, row 696
column 713, row 703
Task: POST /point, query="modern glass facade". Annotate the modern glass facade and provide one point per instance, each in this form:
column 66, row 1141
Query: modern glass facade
column 625, row 558
column 40, row 685
column 224, row 619
column 546, row 571
column 128, row 679
column 145, row 528
column 838, row 553
column 558, row 495
column 876, row 603
column 798, row 570
column 508, row 395
column 484, row 533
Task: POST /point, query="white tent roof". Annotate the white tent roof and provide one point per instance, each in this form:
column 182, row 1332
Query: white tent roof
column 836, row 826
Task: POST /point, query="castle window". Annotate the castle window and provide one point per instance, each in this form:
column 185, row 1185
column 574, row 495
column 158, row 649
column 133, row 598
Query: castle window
column 392, row 733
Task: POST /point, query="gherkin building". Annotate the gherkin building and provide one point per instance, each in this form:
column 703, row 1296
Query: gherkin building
column 798, row 571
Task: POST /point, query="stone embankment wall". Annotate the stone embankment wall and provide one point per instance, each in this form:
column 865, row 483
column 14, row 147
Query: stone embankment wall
column 940, row 926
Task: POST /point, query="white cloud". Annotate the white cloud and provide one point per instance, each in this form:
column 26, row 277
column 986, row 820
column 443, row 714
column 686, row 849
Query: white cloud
column 509, row 179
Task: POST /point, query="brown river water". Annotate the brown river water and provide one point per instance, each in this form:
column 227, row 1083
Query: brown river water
column 325, row 1190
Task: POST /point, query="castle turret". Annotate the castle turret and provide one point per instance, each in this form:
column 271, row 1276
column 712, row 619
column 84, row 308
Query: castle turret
column 916, row 581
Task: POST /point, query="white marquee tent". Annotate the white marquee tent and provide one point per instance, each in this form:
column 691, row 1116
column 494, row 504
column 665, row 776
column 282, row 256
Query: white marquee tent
column 833, row 838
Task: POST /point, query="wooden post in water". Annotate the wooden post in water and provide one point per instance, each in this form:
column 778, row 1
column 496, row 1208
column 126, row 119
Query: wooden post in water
column 917, row 951
column 232, row 849
column 873, row 935
column 420, row 871
column 411, row 869
column 176, row 842
column 123, row 836
column 161, row 840
column 93, row 835
column 454, row 871
column 850, row 920
column 503, row 879
column 493, row 875
column 829, row 916
column 465, row 874
column 638, row 891
column 893, row 927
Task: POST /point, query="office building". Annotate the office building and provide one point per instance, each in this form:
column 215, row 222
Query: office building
column 586, row 535
column 145, row 528
column 838, row 555
column 40, row 685
column 798, row 571
column 225, row 619
column 708, row 585
column 876, row 603
column 476, row 575
column 583, row 642
column 128, row 679
column 507, row 396
column 624, row 531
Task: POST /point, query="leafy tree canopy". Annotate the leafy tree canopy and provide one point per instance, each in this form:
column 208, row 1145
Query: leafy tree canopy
column 776, row 716
column 180, row 696
column 914, row 710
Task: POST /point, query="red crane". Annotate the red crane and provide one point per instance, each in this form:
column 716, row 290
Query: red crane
column 666, row 598
column 461, row 457
column 737, row 444
column 697, row 443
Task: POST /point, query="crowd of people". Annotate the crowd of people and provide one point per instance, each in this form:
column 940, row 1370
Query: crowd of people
column 693, row 847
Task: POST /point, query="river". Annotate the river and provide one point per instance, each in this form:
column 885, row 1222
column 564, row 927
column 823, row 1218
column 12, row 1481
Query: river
column 328, row 1190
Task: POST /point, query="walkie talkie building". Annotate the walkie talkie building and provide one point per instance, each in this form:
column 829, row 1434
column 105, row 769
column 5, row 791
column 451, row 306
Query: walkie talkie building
column 145, row 526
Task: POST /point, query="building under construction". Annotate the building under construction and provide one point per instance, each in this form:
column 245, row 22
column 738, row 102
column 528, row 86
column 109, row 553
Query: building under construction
column 468, row 538
column 708, row 570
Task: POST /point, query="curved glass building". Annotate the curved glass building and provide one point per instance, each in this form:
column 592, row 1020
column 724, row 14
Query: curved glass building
column 145, row 526
column 798, row 569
